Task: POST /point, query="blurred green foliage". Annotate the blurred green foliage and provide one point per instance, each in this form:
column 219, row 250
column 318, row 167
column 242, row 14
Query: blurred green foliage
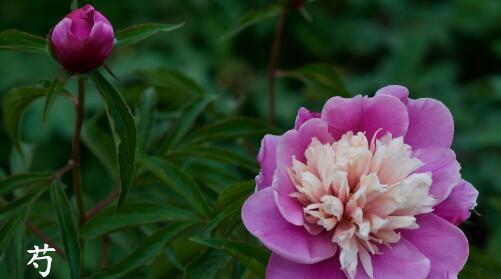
column 448, row 50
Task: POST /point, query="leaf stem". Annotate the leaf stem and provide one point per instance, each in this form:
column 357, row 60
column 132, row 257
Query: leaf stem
column 77, row 183
column 42, row 236
column 275, row 49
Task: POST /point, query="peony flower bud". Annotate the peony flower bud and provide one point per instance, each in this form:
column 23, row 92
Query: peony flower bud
column 82, row 40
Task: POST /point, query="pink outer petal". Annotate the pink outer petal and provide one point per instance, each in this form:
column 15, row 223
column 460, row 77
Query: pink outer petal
column 363, row 114
column 456, row 208
column 402, row 260
column 293, row 144
column 280, row 268
column 443, row 243
column 441, row 162
column 262, row 219
column 304, row 115
column 267, row 160
column 398, row 91
column 430, row 124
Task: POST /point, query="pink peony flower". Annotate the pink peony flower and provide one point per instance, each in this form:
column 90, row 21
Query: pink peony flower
column 368, row 188
column 82, row 40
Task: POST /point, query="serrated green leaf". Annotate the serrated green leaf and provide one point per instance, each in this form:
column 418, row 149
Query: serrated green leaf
column 137, row 33
column 219, row 154
column 101, row 145
column 253, row 17
column 185, row 122
column 207, row 265
column 22, row 41
column 251, row 256
column 133, row 214
column 67, row 226
column 56, row 86
column 227, row 129
column 323, row 79
column 10, row 183
column 147, row 250
column 178, row 180
column 145, row 115
column 15, row 103
column 124, row 132
column 10, row 227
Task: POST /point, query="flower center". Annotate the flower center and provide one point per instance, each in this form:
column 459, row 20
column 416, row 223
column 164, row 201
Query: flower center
column 361, row 192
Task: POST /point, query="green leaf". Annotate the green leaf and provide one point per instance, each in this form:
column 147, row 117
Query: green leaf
column 137, row 33
column 68, row 227
column 24, row 180
column 133, row 214
column 15, row 254
column 251, row 256
column 11, row 226
column 253, row 17
column 74, row 5
column 235, row 193
column 219, row 154
column 322, row 79
column 22, row 41
column 207, row 265
column 56, row 86
column 15, row 103
column 227, row 129
column 22, row 201
column 145, row 117
column 147, row 251
column 185, row 122
column 175, row 83
column 101, row 145
column 179, row 181
column 124, row 132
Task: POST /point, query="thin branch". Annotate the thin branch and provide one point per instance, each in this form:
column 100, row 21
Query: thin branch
column 275, row 49
column 106, row 251
column 102, row 204
column 60, row 172
column 42, row 236
column 76, row 148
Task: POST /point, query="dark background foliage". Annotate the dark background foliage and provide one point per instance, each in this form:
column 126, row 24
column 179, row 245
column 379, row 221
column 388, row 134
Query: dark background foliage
column 448, row 50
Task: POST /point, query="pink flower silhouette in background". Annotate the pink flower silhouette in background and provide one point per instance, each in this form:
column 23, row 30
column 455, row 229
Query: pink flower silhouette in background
column 82, row 40
column 368, row 188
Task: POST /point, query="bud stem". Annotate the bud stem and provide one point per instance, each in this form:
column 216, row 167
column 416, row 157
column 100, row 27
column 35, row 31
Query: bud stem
column 77, row 186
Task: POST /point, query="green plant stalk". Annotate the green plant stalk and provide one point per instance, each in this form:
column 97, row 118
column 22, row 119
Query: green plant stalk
column 275, row 49
column 77, row 183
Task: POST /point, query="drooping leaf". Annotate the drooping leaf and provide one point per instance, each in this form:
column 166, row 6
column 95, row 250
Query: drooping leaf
column 21, row 41
column 323, row 79
column 24, row 180
column 251, row 256
column 185, row 122
column 15, row 254
column 11, row 226
column 133, row 214
column 175, row 83
column 137, row 33
column 179, row 181
column 124, row 132
column 56, row 86
column 220, row 154
column 101, row 145
column 207, row 265
column 253, row 17
column 147, row 250
column 145, row 116
column 15, row 103
column 22, row 201
column 67, row 226
column 227, row 129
